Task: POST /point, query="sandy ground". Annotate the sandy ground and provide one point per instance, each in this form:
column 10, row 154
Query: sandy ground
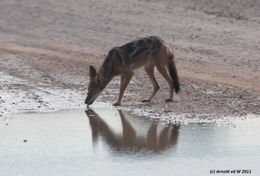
column 47, row 46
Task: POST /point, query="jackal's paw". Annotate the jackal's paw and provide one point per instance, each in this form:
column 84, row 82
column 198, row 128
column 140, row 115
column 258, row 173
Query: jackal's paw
column 116, row 104
column 168, row 100
column 145, row 101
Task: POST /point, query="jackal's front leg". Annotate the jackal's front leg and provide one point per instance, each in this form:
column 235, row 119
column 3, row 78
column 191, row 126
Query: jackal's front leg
column 125, row 79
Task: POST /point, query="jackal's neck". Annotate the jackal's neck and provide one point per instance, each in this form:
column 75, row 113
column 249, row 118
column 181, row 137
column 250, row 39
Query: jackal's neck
column 104, row 77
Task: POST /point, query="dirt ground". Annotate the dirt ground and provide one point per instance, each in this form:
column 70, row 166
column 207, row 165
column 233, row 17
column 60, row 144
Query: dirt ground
column 47, row 46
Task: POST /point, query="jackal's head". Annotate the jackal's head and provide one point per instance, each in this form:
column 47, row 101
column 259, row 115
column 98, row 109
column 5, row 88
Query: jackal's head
column 94, row 88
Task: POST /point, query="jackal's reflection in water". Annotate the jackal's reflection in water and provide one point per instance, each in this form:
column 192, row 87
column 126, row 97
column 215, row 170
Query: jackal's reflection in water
column 129, row 140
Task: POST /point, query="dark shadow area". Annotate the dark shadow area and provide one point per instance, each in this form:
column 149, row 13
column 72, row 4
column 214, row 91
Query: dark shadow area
column 128, row 140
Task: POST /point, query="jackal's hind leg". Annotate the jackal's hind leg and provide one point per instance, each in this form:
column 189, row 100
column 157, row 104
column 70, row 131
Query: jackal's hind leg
column 125, row 79
column 150, row 71
column 166, row 76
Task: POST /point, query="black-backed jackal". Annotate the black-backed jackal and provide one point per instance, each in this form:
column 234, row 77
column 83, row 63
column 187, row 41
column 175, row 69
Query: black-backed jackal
column 149, row 52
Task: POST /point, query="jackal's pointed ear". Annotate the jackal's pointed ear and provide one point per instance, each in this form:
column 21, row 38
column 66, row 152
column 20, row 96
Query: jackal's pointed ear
column 92, row 72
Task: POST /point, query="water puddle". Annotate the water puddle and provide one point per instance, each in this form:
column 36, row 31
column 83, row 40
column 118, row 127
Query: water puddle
column 106, row 141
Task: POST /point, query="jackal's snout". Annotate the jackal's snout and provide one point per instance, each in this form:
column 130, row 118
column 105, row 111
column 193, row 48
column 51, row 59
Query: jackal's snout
column 92, row 95
column 88, row 101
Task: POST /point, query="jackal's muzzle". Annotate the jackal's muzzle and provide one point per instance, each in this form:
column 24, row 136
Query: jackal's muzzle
column 88, row 102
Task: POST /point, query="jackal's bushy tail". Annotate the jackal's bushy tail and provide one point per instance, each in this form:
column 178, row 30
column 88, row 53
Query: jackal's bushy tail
column 173, row 73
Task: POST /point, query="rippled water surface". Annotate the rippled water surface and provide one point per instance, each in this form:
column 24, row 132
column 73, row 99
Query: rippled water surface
column 106, row 141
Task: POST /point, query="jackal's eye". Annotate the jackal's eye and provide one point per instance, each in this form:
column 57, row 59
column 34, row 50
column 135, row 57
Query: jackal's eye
column 90, row 89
